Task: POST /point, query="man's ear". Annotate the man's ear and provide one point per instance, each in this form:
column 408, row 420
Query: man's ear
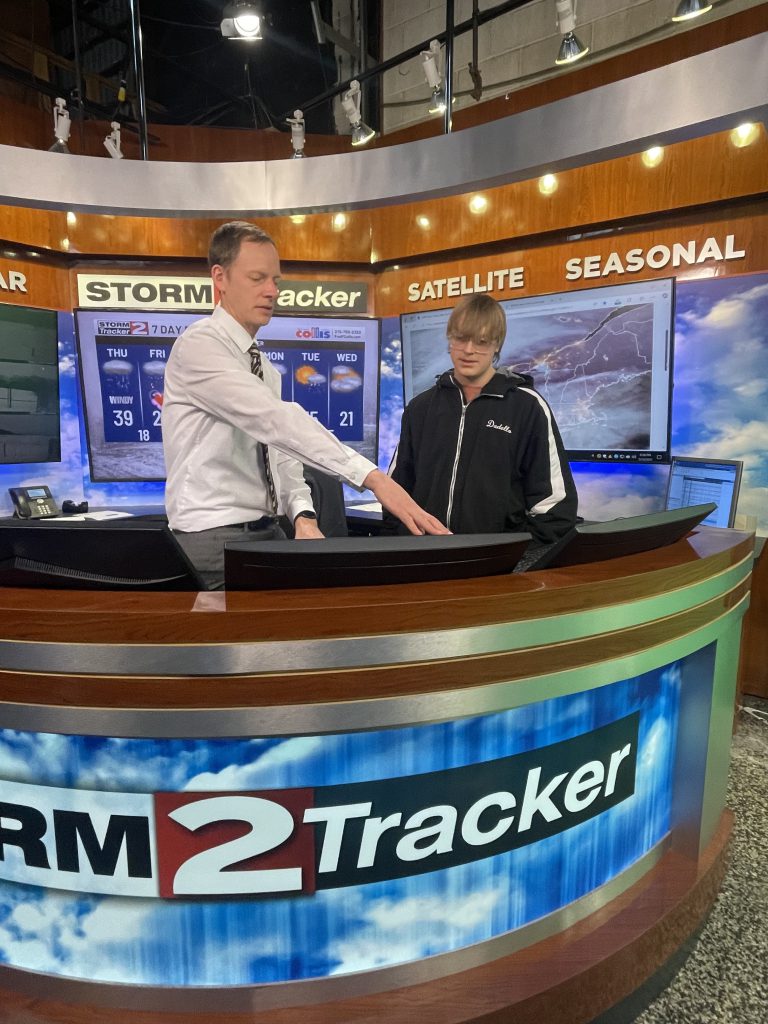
column 217, row 275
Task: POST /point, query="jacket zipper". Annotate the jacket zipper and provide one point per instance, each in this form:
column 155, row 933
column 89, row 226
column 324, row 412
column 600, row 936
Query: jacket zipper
column 464, row 407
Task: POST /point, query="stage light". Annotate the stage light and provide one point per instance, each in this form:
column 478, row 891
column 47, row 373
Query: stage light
column 350, row 102
column 745, row 134
column 478, row 204
column 298, row 134
column 547, row 184
column 62, row 126
column 430, row 60
column 571, row 47
column 652, row 157
column 112, row 142
column 688, row 9
column 242, row 20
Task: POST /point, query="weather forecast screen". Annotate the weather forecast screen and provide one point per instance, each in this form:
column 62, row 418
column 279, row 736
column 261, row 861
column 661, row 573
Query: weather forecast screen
column 601, row 357
column 331, row 368
column 328, row 366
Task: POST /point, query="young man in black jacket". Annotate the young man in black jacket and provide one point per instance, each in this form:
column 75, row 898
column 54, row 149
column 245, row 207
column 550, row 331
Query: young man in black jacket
column 481, row 450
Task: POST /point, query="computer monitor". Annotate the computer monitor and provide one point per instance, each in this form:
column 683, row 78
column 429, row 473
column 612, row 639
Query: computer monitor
column 599, row 542
column 361, row 561
column 692, row 481
column 601, row 357
column 123, row 555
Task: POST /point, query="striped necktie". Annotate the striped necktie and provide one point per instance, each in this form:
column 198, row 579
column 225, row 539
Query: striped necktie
column 256, row 369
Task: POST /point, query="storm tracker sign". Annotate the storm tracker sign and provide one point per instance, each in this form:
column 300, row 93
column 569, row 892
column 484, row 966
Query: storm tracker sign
column 282, row 842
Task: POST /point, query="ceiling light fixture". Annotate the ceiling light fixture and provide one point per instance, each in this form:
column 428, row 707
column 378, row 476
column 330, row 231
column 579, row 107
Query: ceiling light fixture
column 430, row 64
column 62, row 126
column 423, row 221
column 478, row 204
column 688, row 9
column 652, row 157
column 242, row 20
column 547, row 184
column 339, row 221
column 745, row 134
column 298, row 134
column 350, row 101
column 112, row 142
column 571, row 47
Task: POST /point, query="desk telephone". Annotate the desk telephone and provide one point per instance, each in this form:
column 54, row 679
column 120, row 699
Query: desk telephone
column 33, row 502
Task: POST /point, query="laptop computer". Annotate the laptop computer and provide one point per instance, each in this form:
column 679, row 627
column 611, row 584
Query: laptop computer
column 695, row 481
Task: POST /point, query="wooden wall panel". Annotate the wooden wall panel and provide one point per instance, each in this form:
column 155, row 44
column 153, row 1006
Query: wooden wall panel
column 46, row 286
column 706, row 170
column 545, row 266
column 700, row 172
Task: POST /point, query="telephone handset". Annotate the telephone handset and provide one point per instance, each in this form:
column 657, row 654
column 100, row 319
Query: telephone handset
column 33, row 502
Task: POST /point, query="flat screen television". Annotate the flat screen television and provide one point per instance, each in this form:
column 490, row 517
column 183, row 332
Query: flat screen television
column 601, row 357
column 693, row 481
column 122, row 555
column 363, row 561
column 599, row 542
column 329, row 366
column 30, row 429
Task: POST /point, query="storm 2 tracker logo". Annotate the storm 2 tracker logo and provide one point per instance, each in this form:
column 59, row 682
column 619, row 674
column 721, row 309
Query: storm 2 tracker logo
column 292, row 841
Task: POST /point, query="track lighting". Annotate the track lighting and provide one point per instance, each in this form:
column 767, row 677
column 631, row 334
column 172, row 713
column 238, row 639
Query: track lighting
column 688, row 9
column 242, row 20
column 298, row 134
column 112, row 142
column 571, row 47
column 350, row 101
column 62, row 126
column 430, row 59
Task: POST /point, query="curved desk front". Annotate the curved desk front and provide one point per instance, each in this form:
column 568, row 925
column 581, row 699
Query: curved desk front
column 453, row 801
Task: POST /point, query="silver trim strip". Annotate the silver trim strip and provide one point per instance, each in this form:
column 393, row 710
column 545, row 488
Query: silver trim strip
column 270, row 657
column 357, row 714
column 606, row 122
column 321, row 990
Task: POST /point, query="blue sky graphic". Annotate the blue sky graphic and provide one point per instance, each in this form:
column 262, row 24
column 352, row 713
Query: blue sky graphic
column 148, row 941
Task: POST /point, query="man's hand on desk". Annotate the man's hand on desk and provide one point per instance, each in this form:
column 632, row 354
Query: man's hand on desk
column 307, row 529
column 401, row 504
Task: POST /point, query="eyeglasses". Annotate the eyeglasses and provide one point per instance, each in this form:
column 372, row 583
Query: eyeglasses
column 462, row 341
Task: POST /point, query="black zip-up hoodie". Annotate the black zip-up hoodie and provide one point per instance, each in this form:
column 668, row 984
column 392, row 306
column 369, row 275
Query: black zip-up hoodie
column 492, row 465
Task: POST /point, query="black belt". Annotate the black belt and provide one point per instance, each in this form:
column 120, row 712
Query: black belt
column 265, row 523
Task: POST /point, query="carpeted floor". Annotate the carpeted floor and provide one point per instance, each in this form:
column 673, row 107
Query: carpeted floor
column 725, row 980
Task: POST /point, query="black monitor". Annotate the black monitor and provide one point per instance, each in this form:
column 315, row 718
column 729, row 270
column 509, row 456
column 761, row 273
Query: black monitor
column 698, row 480
column 361, row 561
column 123, row 555
column 29, row 386
column 598, row 542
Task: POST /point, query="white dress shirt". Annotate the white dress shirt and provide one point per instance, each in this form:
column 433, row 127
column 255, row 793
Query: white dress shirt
column 215, row 414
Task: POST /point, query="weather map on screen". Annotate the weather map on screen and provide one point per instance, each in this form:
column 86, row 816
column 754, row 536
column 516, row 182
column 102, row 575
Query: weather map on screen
column 602, row 358
column 328, row 366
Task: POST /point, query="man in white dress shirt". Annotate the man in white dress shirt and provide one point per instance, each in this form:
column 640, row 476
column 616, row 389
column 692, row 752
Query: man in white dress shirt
column 221, row 422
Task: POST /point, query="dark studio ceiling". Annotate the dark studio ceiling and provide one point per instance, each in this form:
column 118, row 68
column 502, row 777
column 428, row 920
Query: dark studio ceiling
column 192, row 75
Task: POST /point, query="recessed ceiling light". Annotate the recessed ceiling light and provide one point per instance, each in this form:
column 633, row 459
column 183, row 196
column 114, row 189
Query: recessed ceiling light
column 745, row 134
column 652, row 157
column 478, row 204
column 547, row 184
column 339, row 221
column 423, row 221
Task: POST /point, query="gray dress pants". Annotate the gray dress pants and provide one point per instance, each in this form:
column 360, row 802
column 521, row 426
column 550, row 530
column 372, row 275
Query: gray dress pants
column 205, row 549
